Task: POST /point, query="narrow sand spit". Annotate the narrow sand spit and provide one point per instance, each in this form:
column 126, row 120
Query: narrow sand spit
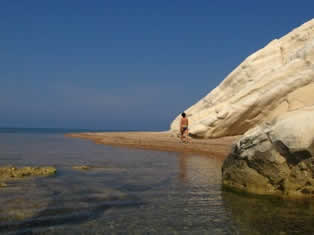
column 162, row 141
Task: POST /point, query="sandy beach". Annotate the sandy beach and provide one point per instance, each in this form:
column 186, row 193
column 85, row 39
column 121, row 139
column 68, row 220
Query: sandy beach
column 161, row 141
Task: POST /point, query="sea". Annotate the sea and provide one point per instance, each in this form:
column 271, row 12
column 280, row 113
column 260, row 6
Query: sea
column 130, row 191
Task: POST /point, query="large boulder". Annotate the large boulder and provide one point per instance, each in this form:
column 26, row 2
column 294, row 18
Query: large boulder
column 275, row 157
column 276, row 79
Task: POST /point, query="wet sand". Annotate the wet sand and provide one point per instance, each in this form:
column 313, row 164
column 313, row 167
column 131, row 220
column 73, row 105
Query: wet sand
column 161, row 141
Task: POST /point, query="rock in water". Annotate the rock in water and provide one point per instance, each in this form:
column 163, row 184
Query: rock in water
column 275, row 158
column 10, row 172
column 81, row 167
column 276, row 79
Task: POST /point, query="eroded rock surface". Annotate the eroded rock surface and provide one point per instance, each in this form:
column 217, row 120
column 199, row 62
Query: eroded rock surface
column 276, row 79
column 275, row 158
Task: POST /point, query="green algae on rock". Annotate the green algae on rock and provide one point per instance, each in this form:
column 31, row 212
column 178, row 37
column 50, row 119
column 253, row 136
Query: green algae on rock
column 2, row 184
column 82, row 167
column 10, row 172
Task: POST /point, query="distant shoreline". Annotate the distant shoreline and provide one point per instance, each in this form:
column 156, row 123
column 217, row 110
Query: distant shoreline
column 161, row 141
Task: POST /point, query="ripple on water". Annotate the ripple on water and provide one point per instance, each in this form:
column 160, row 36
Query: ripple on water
column 132, row 191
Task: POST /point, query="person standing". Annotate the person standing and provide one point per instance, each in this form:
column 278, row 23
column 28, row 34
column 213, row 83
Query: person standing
column 184, row 124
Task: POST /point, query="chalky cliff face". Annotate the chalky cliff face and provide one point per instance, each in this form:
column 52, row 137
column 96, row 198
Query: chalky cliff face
column 276, row 79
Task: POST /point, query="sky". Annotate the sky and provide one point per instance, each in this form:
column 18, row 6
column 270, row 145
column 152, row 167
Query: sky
column 126, row 65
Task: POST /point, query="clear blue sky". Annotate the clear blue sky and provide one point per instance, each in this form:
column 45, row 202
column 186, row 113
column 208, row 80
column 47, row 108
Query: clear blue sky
column 126, row 64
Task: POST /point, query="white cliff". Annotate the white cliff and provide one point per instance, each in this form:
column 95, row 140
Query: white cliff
column 276, row 79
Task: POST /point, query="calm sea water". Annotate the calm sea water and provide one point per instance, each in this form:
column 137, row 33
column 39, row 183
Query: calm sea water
column 130, row 192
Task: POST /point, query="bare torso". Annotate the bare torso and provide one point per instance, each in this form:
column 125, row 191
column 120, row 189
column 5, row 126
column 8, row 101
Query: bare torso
column 184, row 122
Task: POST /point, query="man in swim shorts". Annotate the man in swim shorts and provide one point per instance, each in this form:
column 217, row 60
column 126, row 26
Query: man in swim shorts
column 184, row 124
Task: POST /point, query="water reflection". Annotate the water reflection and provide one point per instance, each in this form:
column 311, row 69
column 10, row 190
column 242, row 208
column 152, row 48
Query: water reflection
column 264, row 215
column 183, row 167
column 199, row 170
column 243, row 214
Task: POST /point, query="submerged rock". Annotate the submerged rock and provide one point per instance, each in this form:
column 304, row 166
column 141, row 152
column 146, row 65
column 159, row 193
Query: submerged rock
column 275, row 158
column 272, row 81
column 83, row 167
column 2, row 184
column 10, row 172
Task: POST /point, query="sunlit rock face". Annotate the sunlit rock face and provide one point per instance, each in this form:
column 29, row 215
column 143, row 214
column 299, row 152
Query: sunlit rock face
column 276, row 79
column 275, row 158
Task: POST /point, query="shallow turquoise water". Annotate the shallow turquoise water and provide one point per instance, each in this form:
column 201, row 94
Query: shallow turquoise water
column 131, row 192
